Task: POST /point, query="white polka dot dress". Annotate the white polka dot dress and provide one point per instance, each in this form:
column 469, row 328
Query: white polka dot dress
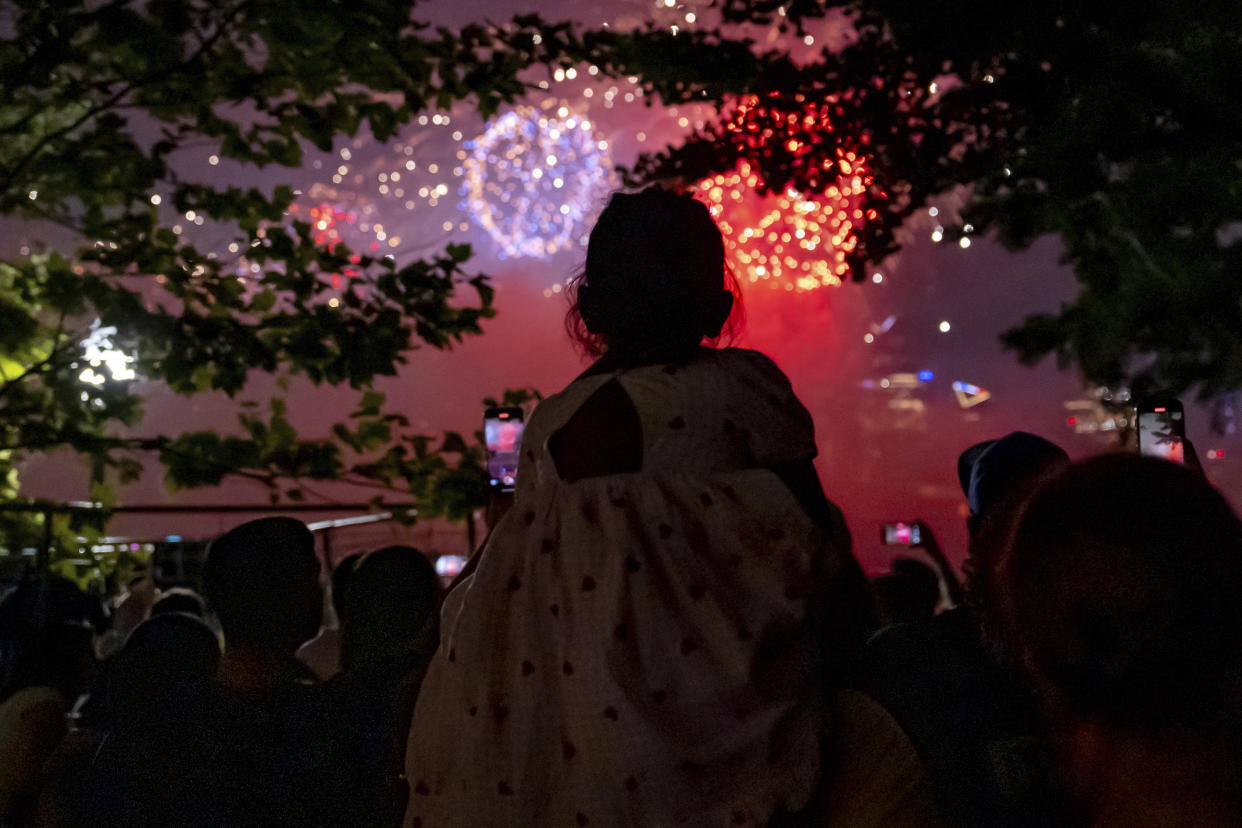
column 633, row 649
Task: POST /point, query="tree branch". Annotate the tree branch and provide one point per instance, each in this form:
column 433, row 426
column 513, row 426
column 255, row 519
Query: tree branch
column 42, row 365
column 7, row 181
column 115, row 99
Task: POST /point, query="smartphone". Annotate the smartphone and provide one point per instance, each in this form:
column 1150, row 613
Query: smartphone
column 1162, row 430
column 502, row 431
column 901, row 534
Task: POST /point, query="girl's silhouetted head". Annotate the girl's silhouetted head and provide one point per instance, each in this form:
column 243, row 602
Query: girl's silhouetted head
column 655, row 283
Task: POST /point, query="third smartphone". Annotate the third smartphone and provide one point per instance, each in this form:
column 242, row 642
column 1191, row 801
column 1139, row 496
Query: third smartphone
column 902, row 534
column 1162, row 430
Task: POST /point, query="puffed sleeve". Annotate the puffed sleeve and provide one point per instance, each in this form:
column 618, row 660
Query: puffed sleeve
column 778, row 428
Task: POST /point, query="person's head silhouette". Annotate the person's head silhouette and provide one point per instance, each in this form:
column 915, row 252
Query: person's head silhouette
column 162, row 655
column 655, row 284
column 179, row 599
column 996, row 476
column 908, row 593
column 262, row 581
column 391, row 619
column 341, row 575
column 1119, row 595
column 45, row 637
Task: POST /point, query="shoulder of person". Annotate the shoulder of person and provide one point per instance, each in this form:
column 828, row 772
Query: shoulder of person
column 34, row 701
column 751, row 363
column 32, row 719
column 939, row 643
column 549, row 406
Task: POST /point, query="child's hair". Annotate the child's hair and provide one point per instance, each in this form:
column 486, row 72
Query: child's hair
column 653, row 257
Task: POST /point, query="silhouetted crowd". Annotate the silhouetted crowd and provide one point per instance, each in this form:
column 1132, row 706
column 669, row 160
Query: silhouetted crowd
column 1090, row 674
column 666, row 627
column 170, row 730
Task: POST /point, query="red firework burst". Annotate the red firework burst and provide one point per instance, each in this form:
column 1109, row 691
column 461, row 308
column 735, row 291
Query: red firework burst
column 790, row 240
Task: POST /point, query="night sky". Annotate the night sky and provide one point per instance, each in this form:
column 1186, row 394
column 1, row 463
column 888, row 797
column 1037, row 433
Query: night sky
column 886, row 453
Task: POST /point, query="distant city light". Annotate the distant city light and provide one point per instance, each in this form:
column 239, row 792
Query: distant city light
column 969, row 395
column 448, row 566
column 104, row 360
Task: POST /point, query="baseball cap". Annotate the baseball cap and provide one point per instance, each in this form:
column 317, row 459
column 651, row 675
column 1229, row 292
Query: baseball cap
column 995, row 469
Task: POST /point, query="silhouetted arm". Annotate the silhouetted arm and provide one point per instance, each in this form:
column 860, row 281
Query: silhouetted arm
column 849, row 615
column 952, row 585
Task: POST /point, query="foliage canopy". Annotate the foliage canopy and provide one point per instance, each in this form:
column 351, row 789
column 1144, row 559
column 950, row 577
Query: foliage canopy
column 1113, row 126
